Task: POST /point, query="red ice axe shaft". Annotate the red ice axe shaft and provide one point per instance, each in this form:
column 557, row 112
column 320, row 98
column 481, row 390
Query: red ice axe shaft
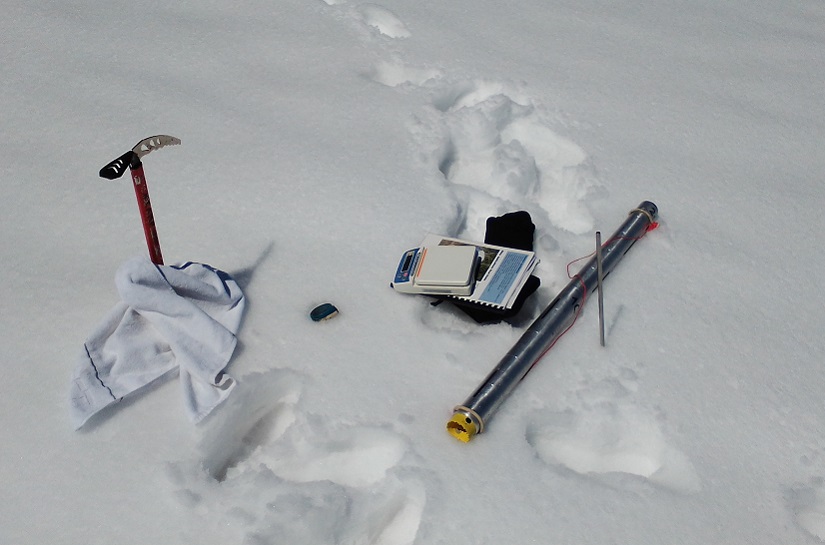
column 131, row 158
column 146, row 216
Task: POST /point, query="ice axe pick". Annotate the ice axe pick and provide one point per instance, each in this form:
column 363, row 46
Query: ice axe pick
column 131, row 158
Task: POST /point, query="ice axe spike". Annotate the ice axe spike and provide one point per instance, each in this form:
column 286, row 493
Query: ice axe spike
column 131, row 158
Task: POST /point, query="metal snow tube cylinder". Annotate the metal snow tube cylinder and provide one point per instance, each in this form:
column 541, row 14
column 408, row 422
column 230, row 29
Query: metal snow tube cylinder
column 470, row 417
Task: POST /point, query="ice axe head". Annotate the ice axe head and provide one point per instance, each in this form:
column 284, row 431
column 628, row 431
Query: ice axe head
column 131, row 158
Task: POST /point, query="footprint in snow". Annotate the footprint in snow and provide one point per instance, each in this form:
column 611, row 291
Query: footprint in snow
column 353, row 456
column 383, row 20
column 807, row 503
column 262, row 410
column 269, row 472
column 609, row 437
column 391, row 515
column 494, row 147
column 497, row 144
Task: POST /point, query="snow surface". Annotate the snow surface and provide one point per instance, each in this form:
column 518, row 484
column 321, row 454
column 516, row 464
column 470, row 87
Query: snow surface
column 321, row 139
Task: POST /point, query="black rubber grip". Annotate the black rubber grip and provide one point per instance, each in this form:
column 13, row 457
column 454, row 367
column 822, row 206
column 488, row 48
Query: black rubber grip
column 116, row 168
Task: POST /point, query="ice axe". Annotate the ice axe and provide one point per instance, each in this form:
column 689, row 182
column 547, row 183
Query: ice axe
column 131, row 158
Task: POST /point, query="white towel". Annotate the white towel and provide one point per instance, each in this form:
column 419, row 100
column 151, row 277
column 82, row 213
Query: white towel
column 171, row 317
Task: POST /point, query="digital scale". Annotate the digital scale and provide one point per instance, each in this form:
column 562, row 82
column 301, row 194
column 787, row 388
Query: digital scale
column 437, row 270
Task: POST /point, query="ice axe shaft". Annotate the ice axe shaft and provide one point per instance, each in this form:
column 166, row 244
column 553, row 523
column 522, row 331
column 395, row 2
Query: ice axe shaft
column 132, row 159
column 146, row 216
column 471, row 417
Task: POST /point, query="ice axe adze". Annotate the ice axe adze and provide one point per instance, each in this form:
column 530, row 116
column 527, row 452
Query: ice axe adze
column 131, row 158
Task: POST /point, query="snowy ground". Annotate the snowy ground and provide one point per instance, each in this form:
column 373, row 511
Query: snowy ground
column 321, row 140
